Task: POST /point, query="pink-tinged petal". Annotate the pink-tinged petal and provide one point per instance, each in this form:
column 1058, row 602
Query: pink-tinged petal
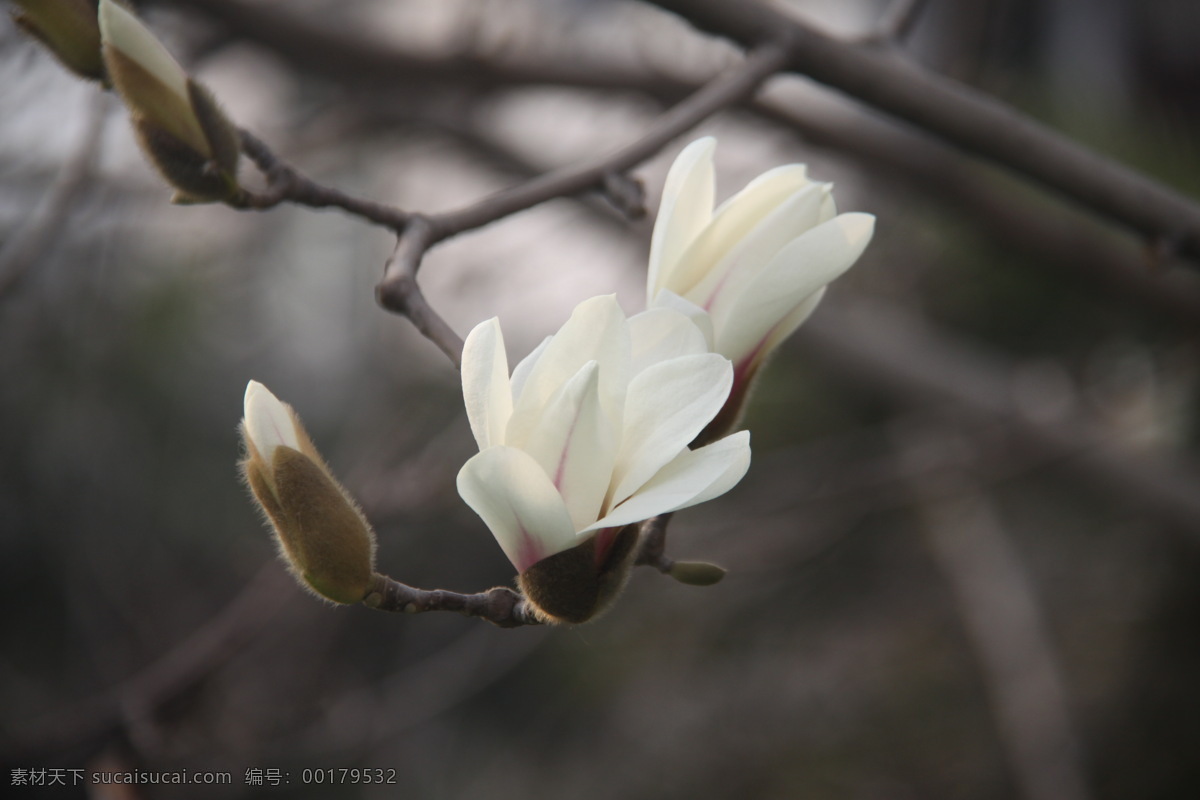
column 660, row 334
column 737, row 218
column 686, row 207
column 269, row 422
column 487, row 391
column 512, row 495
column 699, row 317
column 668, row 404
column 802, row 267
column 575, row 445
column 597, row 331
column 692, row 477
column 769, row 234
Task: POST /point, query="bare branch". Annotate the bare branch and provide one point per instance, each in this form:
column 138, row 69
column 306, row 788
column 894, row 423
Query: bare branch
column 727, row 89
column 652, row 544
column 962, row 116
column 499, row 605
column 286, row 184
column 400, row 293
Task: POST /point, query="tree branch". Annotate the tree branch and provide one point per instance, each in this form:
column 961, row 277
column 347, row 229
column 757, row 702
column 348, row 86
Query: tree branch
column 499, row 605
column 962, row 116
column 286, row 184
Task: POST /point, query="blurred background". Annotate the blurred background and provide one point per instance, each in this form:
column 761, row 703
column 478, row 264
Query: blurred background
column 963, row 564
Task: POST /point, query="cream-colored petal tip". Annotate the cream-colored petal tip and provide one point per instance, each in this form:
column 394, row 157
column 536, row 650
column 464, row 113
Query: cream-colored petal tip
column 268, row 421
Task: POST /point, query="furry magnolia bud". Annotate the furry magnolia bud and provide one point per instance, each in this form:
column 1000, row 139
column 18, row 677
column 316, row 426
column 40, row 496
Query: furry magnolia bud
column 178, row 123
column 575, row 585
column 321, row 533
column 68, row 29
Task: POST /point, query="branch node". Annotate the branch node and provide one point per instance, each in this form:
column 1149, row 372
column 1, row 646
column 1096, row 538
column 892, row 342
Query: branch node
column 626, row 193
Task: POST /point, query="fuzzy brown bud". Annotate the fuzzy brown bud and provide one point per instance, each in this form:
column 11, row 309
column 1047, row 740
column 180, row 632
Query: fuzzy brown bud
column 321, row 532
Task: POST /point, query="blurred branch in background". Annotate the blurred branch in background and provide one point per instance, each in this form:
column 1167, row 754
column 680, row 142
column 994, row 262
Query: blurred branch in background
column 829, row 663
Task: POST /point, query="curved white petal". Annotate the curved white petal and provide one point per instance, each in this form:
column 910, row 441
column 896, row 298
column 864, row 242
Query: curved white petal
column 788, row 325
column 692, row 477
column 770, row 233
column 597, row 331
column 668, row 404
column 802, row 267
column 660, row 334
column 269, row 422
column 487, row 391
column 686, row 207
column 521, row 371
column 518, row 503
column 699, row 317
column 733, row 222
column 574, row 444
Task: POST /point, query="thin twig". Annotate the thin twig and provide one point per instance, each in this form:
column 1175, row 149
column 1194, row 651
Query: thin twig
column 398, row 290
column 499, row 605
column 652, row 544
column 286, row 184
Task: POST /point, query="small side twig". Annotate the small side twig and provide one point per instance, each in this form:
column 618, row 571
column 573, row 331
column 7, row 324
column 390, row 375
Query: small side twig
column 499, row 605
column 653, row 543
column 286, row 184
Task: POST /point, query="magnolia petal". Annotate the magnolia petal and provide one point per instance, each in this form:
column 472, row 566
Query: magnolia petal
column 124, row 31
column 802, row 267
column 660, row 334
column 668, row 404
column 692, row 477
column 521, row 372
column 734, row 221
column 597, row 331
column 574, row 444
column 699, row 317
column 487, row 391
column 686, row 207
column 762, row 241
column 788, row 325
column 510, row 492
column 268, row 421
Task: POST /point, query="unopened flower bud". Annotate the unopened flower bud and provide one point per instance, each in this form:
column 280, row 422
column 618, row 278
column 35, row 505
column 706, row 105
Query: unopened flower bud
column 575, row 585
column 322, row 534
column 68, row 29
column 178, row 123
column 696, row 573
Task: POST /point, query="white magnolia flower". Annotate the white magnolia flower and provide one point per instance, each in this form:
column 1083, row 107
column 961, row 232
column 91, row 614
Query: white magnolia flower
column 750, row 273
column 591, row 432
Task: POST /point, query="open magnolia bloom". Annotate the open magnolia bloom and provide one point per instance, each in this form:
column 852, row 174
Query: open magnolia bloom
column 752, row 271
column 589, row 435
